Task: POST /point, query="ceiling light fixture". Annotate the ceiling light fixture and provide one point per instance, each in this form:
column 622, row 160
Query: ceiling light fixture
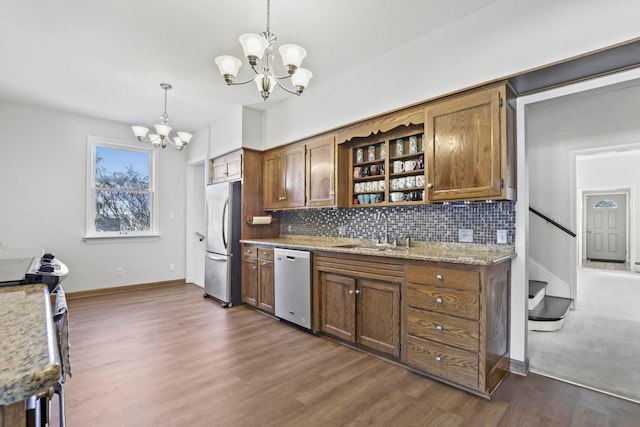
column 160, row 138
column 259, row 48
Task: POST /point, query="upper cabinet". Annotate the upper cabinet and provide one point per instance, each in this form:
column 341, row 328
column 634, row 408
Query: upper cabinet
column 227, row 167
column 321, row 171
column 458, row 148
column 471, row 147
column 284, row 178
column 301, row 175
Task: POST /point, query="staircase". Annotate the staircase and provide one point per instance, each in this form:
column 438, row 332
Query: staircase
column 546, row 313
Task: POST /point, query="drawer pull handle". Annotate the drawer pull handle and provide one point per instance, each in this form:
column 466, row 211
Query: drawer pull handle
column 439, row 277
column 439, row 327
column 438, row 359
column 439, row 300
column 265, row 253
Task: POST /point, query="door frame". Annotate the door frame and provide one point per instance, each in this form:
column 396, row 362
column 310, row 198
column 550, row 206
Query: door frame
column 195, row 194
column 583, row 219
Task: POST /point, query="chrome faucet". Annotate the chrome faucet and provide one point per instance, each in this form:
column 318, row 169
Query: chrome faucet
column 386, row 225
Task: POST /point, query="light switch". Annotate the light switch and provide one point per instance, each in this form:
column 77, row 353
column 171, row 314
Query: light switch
column 501, row 237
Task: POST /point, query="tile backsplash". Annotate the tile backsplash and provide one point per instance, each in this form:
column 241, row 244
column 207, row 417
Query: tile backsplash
column 427, row 223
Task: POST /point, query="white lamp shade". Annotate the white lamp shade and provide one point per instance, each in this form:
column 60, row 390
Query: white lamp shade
column 228, row 65
column 163, row 130
column 292, row 54
column 253, row 45
column 179, row 143
column 301, row 77
column 140, row 131
column 185, row 137
column 155, row 140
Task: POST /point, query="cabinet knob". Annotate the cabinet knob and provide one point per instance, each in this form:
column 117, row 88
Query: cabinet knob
column 255, row 267
column 439, row 300
column 357, row 291
column 429, row 185
column 439, row 327
column 264, row 263
column 438, row 359
column 282, row 198
column 350, row 291
column 439, row 276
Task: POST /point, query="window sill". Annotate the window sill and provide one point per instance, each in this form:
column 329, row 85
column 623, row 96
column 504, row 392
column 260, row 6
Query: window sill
column 97, row 240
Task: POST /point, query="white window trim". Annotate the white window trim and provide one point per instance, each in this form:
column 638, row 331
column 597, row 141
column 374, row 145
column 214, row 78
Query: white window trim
column 90, row 233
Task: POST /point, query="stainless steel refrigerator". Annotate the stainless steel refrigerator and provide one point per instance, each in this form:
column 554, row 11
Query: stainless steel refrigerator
column 222, row 243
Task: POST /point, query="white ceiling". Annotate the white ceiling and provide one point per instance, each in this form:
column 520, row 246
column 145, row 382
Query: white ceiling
column 106, row 59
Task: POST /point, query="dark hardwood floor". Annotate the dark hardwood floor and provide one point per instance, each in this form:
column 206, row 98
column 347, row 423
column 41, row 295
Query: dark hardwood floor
column 168, row 357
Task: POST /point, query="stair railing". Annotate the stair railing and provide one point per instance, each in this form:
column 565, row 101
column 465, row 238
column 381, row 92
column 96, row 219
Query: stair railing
column 552, row 222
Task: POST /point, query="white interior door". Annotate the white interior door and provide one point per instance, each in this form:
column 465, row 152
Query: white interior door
column 606, row 227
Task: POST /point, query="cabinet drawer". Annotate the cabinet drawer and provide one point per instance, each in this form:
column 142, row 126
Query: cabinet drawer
column 444, row 277
column 249, row 251
column 444, row 361
column 443, row 329
column 266, row 254
column 442, row 300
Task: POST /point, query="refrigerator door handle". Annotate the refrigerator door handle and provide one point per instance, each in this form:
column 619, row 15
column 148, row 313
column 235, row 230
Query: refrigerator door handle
column 215, row 258
column 224, row 222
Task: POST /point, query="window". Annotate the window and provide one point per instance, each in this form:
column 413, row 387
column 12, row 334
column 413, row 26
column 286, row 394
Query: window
column 120, row 196
column 606, row 203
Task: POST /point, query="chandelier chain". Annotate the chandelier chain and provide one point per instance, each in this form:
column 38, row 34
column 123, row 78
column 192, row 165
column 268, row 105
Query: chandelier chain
column 268, row 16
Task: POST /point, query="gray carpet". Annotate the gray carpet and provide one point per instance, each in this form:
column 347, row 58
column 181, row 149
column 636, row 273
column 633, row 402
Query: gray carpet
column 596, row 348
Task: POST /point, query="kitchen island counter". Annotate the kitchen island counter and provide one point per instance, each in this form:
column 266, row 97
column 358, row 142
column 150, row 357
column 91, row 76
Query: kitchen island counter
column 29, row 360
column 457, row 253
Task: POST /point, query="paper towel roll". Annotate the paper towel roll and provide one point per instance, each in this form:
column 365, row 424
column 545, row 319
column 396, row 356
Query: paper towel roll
column 256, row 220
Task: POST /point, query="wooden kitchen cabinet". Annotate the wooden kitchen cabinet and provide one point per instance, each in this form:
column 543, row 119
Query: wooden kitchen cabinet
column 284, row 178
column 227, row 167
column 471, row 146
column 321, row 171
column 257, row 278
column 358, row 301
column 266, row 288
column 456, row 323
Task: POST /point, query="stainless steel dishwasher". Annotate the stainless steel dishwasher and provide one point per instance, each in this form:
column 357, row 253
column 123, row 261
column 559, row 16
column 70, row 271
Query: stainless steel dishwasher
column 292, row 274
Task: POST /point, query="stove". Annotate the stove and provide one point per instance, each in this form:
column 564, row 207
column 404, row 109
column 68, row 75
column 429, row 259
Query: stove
column 29, row 266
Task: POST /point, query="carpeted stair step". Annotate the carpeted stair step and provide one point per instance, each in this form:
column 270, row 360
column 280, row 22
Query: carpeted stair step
column 537, row 291
column 549, row 315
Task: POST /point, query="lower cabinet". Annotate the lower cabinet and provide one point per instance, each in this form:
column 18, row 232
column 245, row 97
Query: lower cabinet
column 358, row 304
column 257, row 278
column 456, row 323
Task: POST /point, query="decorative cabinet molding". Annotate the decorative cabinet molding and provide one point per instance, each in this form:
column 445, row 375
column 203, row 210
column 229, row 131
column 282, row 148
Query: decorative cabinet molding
column 381, row 124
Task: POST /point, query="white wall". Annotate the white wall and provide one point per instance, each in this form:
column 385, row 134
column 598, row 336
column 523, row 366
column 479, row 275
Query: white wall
column 507, row 37
column 43, row 156
column 607, row 172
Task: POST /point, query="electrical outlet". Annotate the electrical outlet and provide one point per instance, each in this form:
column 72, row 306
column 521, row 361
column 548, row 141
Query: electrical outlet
column 342, row 231
column 172, row 267
column 501, row 237
column 119, row 272
column 465, row 235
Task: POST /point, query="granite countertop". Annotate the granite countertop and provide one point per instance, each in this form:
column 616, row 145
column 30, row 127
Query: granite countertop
column 29, row 361
column 459, row 253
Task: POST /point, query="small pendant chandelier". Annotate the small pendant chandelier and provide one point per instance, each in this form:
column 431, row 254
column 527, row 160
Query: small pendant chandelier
column 259, row 48
column 160, row 138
